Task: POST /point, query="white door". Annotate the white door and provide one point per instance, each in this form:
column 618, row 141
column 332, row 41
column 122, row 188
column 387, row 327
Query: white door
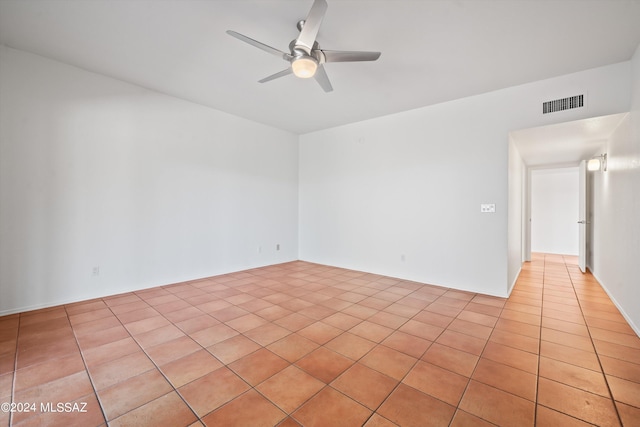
column 582, row 213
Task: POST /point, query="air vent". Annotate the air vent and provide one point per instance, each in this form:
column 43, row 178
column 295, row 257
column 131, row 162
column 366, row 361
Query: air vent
column 563, row 104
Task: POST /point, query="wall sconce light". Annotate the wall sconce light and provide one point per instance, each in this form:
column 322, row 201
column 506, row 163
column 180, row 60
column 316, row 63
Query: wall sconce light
column 598, row 163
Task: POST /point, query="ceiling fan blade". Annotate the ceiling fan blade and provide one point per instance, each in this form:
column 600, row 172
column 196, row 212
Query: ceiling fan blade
column 322, row 78
column 349, row 56
column 266, row 48
column 276, row 75
column 311, row 26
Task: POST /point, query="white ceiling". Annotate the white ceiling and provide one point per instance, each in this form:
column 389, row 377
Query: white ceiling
column 432, row 51
column 565, row 144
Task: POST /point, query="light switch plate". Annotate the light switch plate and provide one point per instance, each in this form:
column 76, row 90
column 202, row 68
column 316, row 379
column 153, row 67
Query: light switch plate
column 488, row 207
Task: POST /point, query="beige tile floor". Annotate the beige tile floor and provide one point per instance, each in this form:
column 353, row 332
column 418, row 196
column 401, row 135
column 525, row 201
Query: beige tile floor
column 306, row 344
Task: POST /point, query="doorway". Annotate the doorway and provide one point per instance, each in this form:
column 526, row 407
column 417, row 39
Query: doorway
column 557, row 146
column 554, row 210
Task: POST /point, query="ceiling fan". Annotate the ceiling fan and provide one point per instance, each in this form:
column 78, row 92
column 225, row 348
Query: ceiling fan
column 305, row 56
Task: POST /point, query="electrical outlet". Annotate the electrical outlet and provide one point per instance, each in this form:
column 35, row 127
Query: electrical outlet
column 488, row 208
column 403, row 258
column 277, row 246
column 95, row 271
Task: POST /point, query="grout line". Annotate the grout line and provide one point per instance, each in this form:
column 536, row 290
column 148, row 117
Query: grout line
column 466, row 387
column 342, row 280
column 418, row 359
column 493, row 328
column 535, row 409
column 84, row 362
column 595, row 350
column 174, row 389
column 225, row 365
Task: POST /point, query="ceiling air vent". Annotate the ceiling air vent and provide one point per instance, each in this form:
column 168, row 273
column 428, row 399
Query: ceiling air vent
column 563, row 104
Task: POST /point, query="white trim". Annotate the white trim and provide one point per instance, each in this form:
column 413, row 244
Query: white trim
column 635, row 327
column 513, row 284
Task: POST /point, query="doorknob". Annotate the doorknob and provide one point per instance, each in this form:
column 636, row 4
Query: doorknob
column 582, row 222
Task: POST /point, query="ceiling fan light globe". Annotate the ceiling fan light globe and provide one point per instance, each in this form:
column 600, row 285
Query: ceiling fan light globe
column 304, row 67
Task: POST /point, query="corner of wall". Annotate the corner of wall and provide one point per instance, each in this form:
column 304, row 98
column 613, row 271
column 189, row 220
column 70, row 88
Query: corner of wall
column 616, row 231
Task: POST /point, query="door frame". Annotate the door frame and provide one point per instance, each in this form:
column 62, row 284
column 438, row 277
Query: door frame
column 526, row 208
column 583, row 216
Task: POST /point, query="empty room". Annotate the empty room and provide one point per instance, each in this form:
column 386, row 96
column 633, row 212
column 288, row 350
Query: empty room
column 319, row 213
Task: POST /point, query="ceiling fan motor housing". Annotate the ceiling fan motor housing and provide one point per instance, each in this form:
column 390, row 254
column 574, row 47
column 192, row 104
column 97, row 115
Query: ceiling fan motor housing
column 299, row 51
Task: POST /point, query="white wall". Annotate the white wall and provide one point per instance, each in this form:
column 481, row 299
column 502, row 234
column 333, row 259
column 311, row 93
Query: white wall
column 412, row 183
column 554, row 211
column 154, row 190
column 95, row 172
column 516, row 201
column 616, row 201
